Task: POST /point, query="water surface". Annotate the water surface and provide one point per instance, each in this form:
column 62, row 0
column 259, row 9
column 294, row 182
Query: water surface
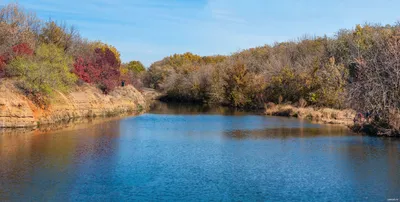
column 186, row 153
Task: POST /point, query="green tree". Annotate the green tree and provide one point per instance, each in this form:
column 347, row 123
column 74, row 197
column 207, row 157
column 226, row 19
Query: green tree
column 49, row 69
column 135, row 66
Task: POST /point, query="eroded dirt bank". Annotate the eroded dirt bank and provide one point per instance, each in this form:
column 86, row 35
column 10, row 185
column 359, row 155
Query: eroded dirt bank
column 17, row 111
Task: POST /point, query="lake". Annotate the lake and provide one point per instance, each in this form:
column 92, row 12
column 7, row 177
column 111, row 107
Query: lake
column 194, row 153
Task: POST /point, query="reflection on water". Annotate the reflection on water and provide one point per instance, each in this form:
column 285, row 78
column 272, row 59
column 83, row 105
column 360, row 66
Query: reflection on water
column 201, row 153
column 195, row 109
column 283, row 133
column 72, row 124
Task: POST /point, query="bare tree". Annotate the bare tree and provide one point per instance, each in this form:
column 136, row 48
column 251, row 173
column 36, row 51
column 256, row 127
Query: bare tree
column 375, row 86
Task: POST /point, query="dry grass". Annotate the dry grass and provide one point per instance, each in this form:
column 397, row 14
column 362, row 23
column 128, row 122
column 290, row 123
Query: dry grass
column 320, row 115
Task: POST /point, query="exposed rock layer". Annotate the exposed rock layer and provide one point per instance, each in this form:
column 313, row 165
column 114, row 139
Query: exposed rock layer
column 16, row 110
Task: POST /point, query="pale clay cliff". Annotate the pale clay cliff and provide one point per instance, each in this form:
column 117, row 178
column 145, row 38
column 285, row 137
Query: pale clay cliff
column 16, row 110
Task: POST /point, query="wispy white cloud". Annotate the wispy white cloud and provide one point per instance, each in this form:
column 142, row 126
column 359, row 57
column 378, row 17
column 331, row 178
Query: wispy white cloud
column 226, row 16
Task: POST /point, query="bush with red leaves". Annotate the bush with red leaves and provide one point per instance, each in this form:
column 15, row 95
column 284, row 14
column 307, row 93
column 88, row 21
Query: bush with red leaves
column 103, row 70
column 85, row 70
column 22, row 49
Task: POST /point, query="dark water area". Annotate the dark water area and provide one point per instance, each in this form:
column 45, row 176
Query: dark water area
column 197, row 153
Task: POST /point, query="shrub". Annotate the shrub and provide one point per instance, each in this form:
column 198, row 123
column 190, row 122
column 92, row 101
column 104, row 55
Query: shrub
column 302, row 103
column 58, row 34
column 103, row 69
column 133, row 73
column 242, row 87
column 135, row 66
column 48, row 69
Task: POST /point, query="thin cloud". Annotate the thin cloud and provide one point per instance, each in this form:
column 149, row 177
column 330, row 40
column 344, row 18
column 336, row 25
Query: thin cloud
column 226, row 16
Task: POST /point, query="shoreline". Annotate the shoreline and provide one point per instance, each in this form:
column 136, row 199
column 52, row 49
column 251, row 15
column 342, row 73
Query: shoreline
column 67, row 125
column 86, row 101
column 319, row 115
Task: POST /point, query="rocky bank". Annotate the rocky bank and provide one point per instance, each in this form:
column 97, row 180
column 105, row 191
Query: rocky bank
column 17, row 111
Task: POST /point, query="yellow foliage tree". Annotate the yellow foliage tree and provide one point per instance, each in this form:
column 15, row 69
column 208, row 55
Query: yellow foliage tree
column 104, row 46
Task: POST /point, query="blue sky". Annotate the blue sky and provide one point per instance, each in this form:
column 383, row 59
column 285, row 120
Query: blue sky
column 148, row 30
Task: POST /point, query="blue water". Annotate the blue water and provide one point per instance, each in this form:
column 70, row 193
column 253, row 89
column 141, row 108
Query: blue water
column 191, row 154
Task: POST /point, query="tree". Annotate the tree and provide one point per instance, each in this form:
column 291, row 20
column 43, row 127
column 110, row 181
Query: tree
column 103, row 47
column 85, row 70
column 135, row 66
column 22, row 49
column 241, row 87
column 102, row 69
column 18, row 50
column 375, row 83
column 48, row 69
column 17, row 26
column 18, row 29
column 59, row 35
column 132, row 73
column 109, row 64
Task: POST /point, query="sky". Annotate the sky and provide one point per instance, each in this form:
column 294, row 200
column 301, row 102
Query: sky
column 149, row 30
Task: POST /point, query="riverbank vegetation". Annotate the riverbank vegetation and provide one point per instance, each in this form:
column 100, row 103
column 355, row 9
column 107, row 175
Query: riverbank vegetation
column 47, row 56
column 356, row 68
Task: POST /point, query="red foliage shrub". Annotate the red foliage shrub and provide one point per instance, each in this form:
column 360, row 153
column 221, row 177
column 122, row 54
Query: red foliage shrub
column 22, row 49
column 109, row 75
column 103, row 70
column 85, row 70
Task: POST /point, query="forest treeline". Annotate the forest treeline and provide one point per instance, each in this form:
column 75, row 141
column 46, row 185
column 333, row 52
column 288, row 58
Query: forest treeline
column 46, row 56
column 357, row 68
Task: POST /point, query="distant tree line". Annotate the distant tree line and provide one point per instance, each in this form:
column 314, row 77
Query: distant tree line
column 44, row 56
column 357, row 68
